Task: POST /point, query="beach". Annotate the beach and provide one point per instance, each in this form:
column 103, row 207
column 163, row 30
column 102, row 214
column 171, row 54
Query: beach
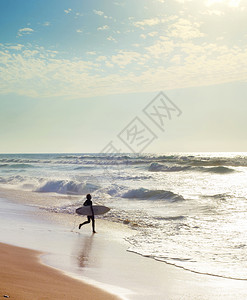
column 24, row 277
column 66, row 263
column 175, row 229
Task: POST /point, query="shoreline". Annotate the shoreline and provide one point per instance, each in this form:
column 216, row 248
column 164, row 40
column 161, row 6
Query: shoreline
column 33, row 229
column 24, row 277
column 102, row 260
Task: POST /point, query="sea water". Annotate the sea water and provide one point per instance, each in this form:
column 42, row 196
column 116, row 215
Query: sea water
column 186, row 209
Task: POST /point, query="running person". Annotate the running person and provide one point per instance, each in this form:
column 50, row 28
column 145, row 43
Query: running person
column 89, row 202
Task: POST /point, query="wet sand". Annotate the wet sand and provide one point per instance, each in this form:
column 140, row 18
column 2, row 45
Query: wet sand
column 22, row 276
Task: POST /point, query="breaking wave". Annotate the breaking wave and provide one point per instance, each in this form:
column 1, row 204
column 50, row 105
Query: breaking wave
column 219, row 170
column 68, row 187
column 157, row 167
column 146, row 194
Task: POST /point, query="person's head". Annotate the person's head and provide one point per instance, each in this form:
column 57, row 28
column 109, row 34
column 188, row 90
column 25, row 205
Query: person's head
column 89, row 197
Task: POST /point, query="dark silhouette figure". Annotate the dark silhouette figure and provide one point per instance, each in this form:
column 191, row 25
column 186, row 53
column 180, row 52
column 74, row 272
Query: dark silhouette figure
column 89, row 202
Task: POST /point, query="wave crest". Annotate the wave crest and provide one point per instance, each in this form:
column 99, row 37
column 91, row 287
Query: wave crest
column 145, row 194
column 68, row 187
column 219, row 170
column 17, row 166
column 157, row 167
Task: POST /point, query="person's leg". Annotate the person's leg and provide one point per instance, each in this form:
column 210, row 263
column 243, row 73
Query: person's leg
column 93, row 225
column 86, row 222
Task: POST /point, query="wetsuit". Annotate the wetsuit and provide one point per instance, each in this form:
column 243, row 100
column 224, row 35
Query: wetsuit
column 89, row 218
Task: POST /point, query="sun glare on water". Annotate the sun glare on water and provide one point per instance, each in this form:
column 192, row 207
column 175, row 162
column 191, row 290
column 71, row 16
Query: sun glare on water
column 231, row 3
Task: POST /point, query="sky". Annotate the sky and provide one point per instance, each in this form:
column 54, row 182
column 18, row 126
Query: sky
column 77, row 76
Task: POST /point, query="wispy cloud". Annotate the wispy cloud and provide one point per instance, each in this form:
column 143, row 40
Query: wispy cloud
column 148, row 22
column 185, row 29
column 101, row 58
column 17, row 47
column 47, row 23
column 68, row 11
column 24, row 31
column 98, row 12
column 161, row 48
column 212, row 12
column 110, row 38
column 78, row 15
column 91, row 53
column 102, row 14
column 230, row 3
column 29, row 53
column 170, row 60
column 124, row 58
column 119, row 3
column 105, row 27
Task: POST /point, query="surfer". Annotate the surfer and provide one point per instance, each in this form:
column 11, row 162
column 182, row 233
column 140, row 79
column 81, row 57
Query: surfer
column 89, row 202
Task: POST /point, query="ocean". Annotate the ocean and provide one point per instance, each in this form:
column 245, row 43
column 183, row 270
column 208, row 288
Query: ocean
column 185, row 209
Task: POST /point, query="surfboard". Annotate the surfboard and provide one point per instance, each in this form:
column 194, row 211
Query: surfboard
column 97, row 209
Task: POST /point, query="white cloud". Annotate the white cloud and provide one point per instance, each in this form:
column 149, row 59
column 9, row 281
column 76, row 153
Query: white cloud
column 28, row 53
column 101, row 58
column 25, row 31
column 79, row 31
column 104, row 27
column 119, row 3
column 78, row 15
column 107, row 17
column 124, row 58
column 161, row 49
column 166, row 64
column 110, row 38
column 15, row 47
column 108, row 64
column 68, row 11
column 105, row 60
column 212, row 12
column 148, row 22
column 98, row 12
column 47, row 23
column 185, row 29
column 91, row 53
column 230, row 3
column 176, row 59
column 4, row 58
column 234, row 3
column 183, row 1
column 153, row 33
column 101, row 13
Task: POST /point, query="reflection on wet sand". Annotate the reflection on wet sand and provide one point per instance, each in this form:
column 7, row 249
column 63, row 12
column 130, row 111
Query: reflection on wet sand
column 85, row 254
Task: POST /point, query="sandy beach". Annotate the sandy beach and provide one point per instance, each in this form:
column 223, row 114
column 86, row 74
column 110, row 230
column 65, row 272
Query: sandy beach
column 65, row 263
column 24, row 277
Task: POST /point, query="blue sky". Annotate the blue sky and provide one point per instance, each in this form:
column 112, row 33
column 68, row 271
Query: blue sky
column 75, row 73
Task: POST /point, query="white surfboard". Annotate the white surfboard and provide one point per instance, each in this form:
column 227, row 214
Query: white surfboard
column 97, row 209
